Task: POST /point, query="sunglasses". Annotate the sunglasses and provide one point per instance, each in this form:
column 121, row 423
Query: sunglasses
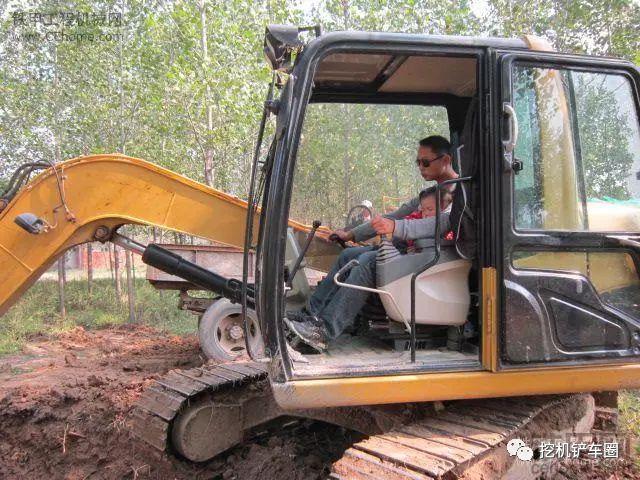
column 425, row 162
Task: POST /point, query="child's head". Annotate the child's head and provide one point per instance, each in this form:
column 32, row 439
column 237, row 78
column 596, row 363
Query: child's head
column 428, row 201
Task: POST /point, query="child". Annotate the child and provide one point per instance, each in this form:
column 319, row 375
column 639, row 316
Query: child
column 427, row 208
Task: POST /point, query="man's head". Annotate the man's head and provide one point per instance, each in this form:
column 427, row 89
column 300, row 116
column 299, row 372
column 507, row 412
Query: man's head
column 434, row 157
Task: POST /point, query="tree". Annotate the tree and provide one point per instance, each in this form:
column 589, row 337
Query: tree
column 606, row 130
column 598, row 27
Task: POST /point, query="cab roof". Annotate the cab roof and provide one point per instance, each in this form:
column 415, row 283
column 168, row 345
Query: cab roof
column 414, row 38
column 382, row 64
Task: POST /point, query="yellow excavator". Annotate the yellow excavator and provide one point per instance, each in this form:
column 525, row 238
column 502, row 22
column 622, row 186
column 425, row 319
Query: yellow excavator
column 533, row 294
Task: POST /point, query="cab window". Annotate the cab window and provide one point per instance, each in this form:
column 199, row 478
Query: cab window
column 579, row 146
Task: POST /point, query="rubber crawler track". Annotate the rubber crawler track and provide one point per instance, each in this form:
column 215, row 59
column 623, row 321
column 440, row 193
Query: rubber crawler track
column 161, row 402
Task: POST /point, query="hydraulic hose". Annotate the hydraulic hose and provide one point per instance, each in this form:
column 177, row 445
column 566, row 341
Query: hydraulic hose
column 18, row 179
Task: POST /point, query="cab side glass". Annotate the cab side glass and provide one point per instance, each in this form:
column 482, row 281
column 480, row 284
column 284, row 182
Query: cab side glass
column 580, row 149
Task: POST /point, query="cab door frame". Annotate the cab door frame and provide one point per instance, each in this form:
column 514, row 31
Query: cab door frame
column 271, row 272
column 508, row 238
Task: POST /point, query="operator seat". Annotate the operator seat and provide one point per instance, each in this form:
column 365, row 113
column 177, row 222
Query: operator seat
column 442, row 291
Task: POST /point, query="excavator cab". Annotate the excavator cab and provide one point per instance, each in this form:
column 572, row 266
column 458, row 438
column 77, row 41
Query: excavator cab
column 541, row 268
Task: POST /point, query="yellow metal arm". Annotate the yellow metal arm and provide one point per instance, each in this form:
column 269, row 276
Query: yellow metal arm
column 107, row 190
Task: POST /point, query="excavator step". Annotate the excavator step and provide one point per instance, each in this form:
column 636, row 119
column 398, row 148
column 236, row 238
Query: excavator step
column 436, row 446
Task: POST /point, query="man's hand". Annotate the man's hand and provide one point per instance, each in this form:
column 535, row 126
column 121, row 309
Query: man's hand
column 383, row 225
column 343, row 235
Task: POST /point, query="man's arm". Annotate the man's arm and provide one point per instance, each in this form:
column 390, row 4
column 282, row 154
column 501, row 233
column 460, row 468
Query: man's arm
column 421, row 228
column 365, row 231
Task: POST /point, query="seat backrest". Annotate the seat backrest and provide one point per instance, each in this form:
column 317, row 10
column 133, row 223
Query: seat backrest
column 391, row 265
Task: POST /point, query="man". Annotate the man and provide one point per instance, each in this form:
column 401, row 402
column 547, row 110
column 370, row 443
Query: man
column 332, row 309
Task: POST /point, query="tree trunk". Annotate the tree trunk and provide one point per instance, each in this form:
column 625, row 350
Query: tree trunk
column 346, row 173
column 346, row 190
column 111, row 262
column 346, row 14
column 116, row 272
column 131, row 294
column 396, row 182
column 61, row 285
column 123, row 151
column 209, row 174
column 121, row 58
column 90, row 267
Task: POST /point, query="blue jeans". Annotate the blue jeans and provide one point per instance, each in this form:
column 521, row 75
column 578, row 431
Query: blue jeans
column 337, row 306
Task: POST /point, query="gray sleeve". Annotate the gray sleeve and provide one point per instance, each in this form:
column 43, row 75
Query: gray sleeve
column 365, row 231
column 420, row 228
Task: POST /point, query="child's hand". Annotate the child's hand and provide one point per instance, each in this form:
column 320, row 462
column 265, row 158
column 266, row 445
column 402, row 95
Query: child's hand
column 383, row 225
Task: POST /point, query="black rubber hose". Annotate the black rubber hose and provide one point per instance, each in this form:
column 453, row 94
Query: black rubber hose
column 19, row 176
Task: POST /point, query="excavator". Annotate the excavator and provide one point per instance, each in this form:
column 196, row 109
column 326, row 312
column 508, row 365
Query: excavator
column 529, row 305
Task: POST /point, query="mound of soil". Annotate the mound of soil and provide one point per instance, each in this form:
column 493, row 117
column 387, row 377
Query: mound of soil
column 65, row 402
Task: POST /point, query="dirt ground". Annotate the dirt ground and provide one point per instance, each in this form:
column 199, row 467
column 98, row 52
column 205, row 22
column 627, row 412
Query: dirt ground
column 65, row 402
column 64, row 408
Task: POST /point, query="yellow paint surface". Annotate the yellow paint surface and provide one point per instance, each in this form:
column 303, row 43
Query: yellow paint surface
column 451, row 386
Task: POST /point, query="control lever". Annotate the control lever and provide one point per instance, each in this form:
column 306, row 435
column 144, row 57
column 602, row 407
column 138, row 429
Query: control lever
column 314, row 227
column 335, row 238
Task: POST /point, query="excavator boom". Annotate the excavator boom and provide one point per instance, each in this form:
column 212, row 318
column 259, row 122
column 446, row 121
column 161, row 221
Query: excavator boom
column 101, row 193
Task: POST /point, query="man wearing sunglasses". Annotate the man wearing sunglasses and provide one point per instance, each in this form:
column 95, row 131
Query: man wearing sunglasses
column 332, row 309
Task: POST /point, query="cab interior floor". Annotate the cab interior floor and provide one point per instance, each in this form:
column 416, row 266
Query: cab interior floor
column 366, row 354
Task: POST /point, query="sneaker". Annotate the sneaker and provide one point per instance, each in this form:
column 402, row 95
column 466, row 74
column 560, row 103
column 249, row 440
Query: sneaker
column 308, row 329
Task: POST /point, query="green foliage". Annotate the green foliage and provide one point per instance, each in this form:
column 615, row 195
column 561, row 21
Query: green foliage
column 597, row 27
column 355, row 152
column 148, row 92
column 144, row 94
column 607, row 128
column 36, row 312
column 152, row 92
column 604, row 128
